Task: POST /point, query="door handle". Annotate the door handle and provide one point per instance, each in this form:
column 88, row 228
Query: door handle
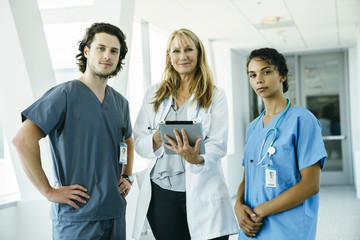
column 339, row 137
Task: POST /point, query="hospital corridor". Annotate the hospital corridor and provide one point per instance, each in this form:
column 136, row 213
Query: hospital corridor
column 230, row 68
column 338, row 215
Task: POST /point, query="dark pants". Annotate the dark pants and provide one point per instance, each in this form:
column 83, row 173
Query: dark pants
column 167, row 215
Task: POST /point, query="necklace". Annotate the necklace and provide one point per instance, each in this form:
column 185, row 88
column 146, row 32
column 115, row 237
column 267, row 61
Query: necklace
column 183, row 97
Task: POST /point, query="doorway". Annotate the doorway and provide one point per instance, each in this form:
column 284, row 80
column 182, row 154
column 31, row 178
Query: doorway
column 323, row 84
column 319, row 82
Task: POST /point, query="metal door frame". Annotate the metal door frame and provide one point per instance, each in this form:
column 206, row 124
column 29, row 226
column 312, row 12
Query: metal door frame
column 345, row 176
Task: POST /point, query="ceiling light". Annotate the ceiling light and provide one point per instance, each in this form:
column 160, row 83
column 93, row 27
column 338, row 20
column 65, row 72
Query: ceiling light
column 270, row 20
column 280, row 32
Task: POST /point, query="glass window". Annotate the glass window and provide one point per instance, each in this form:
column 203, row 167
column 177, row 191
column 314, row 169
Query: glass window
column 136, row 90
column 63, row 50
column 136, row 86
column 136, row 82
column 158, row 46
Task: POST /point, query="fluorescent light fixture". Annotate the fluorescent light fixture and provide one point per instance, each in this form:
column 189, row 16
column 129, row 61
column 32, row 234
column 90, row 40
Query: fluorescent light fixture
column 270, row 20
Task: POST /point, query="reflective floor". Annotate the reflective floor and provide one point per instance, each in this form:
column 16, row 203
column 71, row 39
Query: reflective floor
column 339, row 215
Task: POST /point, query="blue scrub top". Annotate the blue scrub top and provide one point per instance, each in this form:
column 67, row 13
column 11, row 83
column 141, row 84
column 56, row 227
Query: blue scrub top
column 85, row 138
column 298, row 145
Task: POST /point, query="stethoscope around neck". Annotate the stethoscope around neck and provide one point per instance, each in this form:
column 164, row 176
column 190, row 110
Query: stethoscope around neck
column 164, row 105
column 271, row 150
column 197, row 110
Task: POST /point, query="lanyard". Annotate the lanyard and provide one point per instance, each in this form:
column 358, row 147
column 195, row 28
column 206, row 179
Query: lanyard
column 271, row 150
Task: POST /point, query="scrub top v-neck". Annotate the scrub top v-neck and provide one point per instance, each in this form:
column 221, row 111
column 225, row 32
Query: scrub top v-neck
column 298, row 145
column 96, row 99
column 85, row 138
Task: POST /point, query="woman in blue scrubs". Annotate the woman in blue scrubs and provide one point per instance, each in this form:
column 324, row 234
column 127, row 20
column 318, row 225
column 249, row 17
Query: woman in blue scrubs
column 278, row 197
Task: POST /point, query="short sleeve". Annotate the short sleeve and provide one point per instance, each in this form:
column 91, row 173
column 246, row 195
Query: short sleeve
column 48, row 112
column 128, row 133
column 310, row 147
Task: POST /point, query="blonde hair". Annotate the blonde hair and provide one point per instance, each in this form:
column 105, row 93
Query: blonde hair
column 203, row 83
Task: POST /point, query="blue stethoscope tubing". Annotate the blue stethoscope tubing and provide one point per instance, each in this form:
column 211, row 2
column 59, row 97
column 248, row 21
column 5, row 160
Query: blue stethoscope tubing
column 197, row 110
column 164, row 105
column 271, row 149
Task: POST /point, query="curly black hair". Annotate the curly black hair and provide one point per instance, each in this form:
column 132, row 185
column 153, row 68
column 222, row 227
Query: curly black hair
column 272, row 57
column 89, row 37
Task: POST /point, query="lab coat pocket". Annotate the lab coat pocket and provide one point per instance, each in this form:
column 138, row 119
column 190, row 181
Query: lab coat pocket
column 210, row 185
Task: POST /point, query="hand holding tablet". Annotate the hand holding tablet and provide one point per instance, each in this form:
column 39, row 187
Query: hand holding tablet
column 193, row 131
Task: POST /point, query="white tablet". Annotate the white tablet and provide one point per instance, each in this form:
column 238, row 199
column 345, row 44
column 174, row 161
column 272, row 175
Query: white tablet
column 193, row 131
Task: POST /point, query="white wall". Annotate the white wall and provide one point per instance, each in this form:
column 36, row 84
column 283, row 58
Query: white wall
column 240, row 117
column 25, row 220
column 231, row 76
column 354, row 88
column 8, row 223
column 16, row 91
column 27, row 73
column 33, row 220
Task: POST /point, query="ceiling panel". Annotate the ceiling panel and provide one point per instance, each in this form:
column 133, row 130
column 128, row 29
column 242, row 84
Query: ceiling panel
column 212, row 13
column 316, row 21
column 255, row 11
column 349, row 19
column 285, row 39
column 303, row 24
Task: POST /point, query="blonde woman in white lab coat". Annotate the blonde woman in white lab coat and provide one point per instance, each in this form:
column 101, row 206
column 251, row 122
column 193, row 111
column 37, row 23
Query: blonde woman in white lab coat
column 184, row 196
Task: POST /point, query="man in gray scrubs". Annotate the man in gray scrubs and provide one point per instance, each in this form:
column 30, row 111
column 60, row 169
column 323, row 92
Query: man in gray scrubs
column 88, row 124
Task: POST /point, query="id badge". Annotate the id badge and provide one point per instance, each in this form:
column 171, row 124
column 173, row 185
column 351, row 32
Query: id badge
column 123, row 153
column 270, row 177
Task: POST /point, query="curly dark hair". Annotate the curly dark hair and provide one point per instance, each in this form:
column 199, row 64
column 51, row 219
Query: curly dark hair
column 89, row 37
column 272, row 57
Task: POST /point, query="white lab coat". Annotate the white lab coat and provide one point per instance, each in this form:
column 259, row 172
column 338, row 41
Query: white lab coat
column 209, row 209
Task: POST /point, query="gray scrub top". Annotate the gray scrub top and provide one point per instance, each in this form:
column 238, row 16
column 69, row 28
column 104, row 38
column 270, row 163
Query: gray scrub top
column 169, row 170
column 85, row 138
